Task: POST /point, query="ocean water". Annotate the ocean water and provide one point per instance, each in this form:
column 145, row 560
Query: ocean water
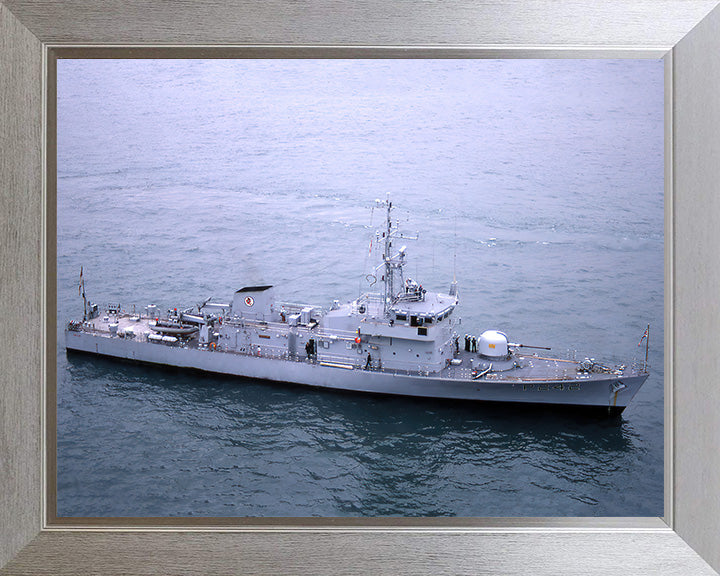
column 537, row 183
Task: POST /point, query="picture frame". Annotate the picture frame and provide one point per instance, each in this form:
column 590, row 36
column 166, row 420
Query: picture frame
column 682, row 542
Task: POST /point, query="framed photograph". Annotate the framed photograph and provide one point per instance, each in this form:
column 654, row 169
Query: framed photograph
column 444, row 231
column 432, row 541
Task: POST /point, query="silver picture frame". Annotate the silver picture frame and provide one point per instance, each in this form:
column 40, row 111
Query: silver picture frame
column 686, row 33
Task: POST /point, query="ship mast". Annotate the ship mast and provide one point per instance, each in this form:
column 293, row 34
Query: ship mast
column 391, row 262
column 387, row 256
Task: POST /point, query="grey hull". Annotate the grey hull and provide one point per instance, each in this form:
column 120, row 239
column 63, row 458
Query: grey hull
column 594, row 392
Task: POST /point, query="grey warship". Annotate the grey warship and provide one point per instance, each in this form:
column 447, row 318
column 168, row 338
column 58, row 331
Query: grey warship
column 403, row 340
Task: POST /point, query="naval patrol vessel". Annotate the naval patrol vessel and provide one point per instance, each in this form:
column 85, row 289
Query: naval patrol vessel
column 401, row 340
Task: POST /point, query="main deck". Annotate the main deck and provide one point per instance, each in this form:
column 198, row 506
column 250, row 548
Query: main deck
column 270, row 341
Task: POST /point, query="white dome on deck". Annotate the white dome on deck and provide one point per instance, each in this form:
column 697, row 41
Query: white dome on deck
column 493, row 344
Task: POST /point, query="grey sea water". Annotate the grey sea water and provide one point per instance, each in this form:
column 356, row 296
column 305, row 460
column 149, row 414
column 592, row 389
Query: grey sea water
column 537, row 183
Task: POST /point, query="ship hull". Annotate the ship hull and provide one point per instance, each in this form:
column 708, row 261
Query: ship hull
column 596, row 392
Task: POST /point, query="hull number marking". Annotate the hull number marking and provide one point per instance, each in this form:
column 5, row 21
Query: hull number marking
column 547, row 387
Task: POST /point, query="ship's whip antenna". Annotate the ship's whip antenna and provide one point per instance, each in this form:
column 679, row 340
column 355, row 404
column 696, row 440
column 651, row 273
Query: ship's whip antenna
column 369, row 252
column 312, row 272
column 453, row 286
column 433, row 258
column 81, row 292
column 646, row 337
column 455, row 247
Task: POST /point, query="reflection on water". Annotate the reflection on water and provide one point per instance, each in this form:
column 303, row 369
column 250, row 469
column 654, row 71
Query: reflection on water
column 372, row 455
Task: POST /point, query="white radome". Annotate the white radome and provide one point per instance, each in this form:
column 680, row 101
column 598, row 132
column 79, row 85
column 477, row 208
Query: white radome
column 493, row 344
